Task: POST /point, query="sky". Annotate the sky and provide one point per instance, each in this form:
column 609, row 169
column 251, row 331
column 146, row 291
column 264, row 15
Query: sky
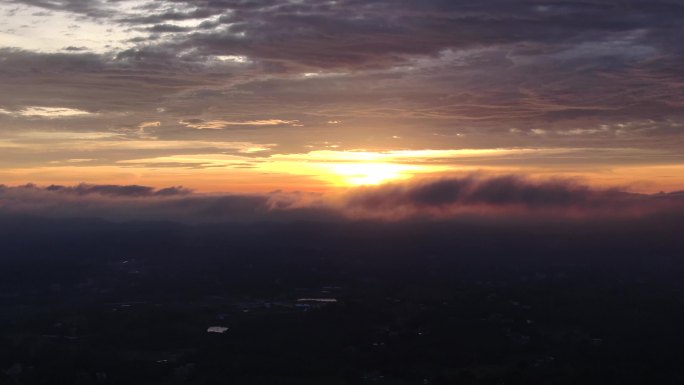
column 308, row 98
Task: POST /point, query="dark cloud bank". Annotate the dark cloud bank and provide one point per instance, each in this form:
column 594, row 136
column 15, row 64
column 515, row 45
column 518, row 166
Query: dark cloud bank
column 475, row 197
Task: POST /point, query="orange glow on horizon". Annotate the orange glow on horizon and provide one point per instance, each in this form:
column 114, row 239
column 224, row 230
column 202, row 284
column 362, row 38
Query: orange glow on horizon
column 357, row 174
column 328, row 170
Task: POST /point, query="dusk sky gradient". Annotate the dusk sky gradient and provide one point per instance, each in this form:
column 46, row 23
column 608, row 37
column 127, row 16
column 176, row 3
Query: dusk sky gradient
column 341, row 192
column 316, row 97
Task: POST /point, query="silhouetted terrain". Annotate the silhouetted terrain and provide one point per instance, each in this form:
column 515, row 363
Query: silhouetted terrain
column 460, row 302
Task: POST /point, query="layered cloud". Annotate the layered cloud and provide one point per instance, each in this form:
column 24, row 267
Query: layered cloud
column 143, row 203
column 503, row 194
column 115, row 190
column 475, row 196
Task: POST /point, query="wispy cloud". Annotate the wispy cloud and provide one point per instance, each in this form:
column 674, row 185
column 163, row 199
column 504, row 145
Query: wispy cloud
column 46, row 112
column 201, row 124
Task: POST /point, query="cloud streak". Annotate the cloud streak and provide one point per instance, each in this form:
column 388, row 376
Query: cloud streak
column 46, row 112
column 115, row 190
column 201, row 124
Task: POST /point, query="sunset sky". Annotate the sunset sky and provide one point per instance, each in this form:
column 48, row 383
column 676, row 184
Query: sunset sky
column 342, row 192
column 314, row 96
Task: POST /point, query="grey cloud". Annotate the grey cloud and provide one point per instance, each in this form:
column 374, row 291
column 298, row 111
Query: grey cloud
column 476, row 196
column 143, row 203
column 93, row 8
column 167, row 28
column 472, row 67
column 501, row 193
column 74, row 49
column 165, row 17
column 130, row 81
column 118, row 190
column 377, row 33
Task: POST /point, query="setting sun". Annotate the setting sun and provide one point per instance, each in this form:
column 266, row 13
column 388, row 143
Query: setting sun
column 369, row 173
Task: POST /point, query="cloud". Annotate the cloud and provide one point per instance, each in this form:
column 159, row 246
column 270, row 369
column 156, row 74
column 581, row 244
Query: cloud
column 144, row 125
column 144, row 203
column 116, row 190
column 201, row 124
column 490, row 198
column 75, row 49
column 167, row 28
column 502, row 195
column 46, row 112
